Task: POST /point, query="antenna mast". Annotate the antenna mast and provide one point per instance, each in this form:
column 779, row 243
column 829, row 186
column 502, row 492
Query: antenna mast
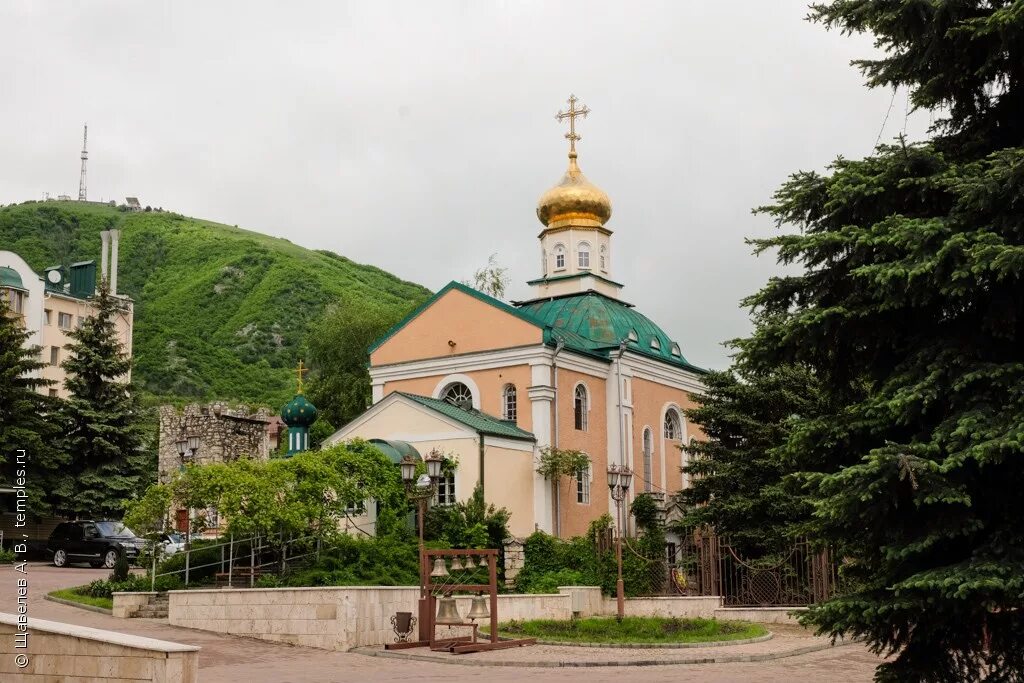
column 85, row 157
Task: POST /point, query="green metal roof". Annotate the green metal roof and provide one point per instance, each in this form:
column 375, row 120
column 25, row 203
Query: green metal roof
column 595, row 324
column 395, row 450
column 472, row 418
column 9, row 278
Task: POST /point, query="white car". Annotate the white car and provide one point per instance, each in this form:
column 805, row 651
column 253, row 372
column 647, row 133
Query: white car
column 172, row 543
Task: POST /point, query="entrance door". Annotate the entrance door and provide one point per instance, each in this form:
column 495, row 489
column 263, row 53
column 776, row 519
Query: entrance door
column 181, row 523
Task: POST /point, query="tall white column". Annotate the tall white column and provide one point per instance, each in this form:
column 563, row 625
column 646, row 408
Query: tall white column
column 541, row 394
column 104, row 261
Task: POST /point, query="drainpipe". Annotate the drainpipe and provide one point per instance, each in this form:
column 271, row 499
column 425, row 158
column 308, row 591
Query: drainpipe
column 559, row 345
column 481, row 434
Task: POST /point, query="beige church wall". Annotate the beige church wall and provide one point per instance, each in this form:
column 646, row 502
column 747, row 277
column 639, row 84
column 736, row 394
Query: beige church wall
column 508, row 471
column 460, row 318
column 649, row 401
column 491, row 384
column 576, row 517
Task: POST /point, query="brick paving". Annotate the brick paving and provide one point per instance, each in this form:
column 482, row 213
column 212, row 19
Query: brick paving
column 227, row 658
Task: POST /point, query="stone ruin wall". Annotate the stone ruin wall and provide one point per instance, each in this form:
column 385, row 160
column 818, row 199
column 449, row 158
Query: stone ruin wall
column 235, row 433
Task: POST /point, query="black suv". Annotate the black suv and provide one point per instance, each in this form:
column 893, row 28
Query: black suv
column 98, row 543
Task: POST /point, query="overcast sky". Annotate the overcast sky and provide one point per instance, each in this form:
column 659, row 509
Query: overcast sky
column 417, row 136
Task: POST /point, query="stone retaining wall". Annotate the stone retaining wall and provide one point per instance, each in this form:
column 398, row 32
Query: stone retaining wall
column 59, row 652
column 344, row 617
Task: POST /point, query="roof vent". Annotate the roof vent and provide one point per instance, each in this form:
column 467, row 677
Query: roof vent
column 632, row 336
column 675, row 349
column 655, row 344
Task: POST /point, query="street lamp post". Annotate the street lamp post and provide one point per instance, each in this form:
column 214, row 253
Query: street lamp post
column 619, row 479
column 187, row 449
column 421, row 489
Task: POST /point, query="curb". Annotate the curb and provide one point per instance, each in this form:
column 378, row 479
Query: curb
column 662, row 646
column 721, row 659
column 72, row 603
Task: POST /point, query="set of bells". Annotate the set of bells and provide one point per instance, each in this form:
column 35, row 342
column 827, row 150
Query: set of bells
column 447, row 610
column 440, row 570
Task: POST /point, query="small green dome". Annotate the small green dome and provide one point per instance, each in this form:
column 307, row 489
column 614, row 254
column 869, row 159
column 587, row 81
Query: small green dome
column 9, row 278
column 299, row 412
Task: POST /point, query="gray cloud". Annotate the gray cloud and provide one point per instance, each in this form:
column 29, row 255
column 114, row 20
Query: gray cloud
column 418, row 136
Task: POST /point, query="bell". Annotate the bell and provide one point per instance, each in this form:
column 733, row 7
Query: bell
column 448, row 611
column 439, row 569
column 479, row 609
column 456, row 564
column 483, row 562
column 469, row 564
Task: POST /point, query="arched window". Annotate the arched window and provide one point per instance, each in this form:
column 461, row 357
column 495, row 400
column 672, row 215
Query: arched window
column 508, row 402
column 583, row 484
column 458, row 394
column 648, row 454
column 559, row 257
column 580, row 406
column 583, row 254
column 603, row 258
column 673, row 425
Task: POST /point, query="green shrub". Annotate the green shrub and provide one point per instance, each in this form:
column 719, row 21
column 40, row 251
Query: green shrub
column 120, row 572
column 6, row 556
column 548, row 582
column 350, row 561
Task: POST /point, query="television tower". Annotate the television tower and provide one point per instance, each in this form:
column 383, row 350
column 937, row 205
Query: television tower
column 85, row 157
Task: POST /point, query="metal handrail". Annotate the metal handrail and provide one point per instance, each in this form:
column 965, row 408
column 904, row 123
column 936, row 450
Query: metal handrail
column 251, row 540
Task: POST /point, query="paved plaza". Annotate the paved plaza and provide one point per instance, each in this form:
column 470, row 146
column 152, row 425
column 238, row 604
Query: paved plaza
column 230, row 658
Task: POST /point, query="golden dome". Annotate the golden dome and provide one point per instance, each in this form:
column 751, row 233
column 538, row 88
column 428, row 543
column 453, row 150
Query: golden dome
column 574, row 197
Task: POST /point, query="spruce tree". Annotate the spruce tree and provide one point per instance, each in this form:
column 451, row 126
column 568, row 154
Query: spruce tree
column 28, row 419
column 910, row 310
column 739, row 480
column 104, row 426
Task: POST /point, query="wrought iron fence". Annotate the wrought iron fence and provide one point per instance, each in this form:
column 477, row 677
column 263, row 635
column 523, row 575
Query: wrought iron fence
column 703, row 563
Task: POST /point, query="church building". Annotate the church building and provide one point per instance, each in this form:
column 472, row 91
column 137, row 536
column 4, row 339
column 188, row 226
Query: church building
column 490, row 384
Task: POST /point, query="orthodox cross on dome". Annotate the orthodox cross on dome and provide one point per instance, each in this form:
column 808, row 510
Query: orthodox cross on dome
column 573, row 112
column 300, row 371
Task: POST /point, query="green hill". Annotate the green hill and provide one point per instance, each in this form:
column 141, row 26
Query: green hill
column 219, row 312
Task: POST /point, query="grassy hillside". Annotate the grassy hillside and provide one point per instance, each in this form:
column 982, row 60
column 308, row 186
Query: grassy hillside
column 219, row 312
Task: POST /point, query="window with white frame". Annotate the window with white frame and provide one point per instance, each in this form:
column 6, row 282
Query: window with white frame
column 648, row 459
column 603, row 257
column 64, row 321
column 559, row 257
column 583, row 484
column 580, row 407
column 48, row 314
column 458, row 394
column 54, row 355
column 583, row 255
column 508, row 402
column 16, row 300
column 673, row 425
column 445, row 490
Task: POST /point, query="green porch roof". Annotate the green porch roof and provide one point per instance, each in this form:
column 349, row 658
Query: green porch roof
column 9, row 278
column 479, row 422
column 395, row 450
